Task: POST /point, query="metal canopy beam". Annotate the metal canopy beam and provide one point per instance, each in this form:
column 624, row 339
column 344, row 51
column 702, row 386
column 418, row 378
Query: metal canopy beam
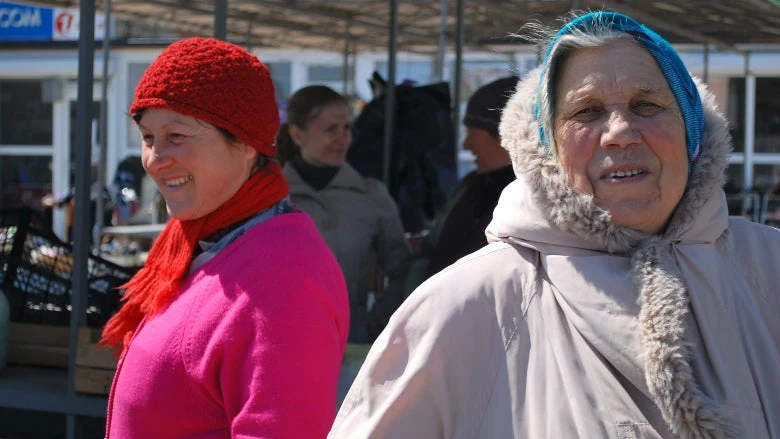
column 725, row 24
column 660, row 24
column 260, row 21
column 380, row 22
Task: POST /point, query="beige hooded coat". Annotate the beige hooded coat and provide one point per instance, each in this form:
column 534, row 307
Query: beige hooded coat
column 566, row 326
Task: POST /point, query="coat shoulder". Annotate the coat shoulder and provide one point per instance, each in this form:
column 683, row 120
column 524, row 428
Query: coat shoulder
column 433, row 369
column 492, row 286
column 751, row 248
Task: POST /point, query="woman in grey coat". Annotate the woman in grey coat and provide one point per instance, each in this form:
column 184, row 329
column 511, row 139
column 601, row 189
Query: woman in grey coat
column 617, row 299
column 357, row 216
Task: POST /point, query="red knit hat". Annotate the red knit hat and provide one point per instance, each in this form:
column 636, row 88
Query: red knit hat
column 215, row 81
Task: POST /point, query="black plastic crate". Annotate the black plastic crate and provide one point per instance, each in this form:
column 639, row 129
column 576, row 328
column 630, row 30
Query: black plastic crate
column 36, row 268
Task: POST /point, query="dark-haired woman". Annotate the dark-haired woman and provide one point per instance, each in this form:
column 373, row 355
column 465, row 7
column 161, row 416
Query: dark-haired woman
column 357, row 216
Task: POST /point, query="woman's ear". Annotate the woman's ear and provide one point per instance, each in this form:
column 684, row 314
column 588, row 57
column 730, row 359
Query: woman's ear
column 296, row 134
column 248, row 152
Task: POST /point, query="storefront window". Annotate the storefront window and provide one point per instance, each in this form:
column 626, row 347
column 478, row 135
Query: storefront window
column 735, row 112
column 767, row 178
column 134, row 73
column 24, row 118
column 325, row 73
column 767, row 115
column 281, row 73
column 25, row 180
column 741, row 202
column 420, row 72
column 331, row 75
column 770, row 174
column 735, row 178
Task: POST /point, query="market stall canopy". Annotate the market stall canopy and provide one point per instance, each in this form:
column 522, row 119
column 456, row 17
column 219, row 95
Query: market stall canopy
column 327, row 24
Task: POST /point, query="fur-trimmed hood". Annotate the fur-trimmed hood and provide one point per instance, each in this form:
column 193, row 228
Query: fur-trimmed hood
column 574, row 214
column 542, row 212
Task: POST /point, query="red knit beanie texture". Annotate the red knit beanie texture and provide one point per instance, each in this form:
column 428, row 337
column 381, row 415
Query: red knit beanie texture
column 215, row 81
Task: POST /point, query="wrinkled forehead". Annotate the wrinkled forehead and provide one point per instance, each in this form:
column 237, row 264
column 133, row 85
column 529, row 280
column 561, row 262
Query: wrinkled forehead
column 589, row 73
column 668, row 60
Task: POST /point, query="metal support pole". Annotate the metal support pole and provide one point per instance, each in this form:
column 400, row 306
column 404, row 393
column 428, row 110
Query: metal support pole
column 390, row 94
column 459, row 41
column 81, row 232
column 345, row 64
column 249, row 24
column 706, row 73
column 220, row 19
column 103, row 163
column 353, row 49
column 750, row 122
column 439, row 65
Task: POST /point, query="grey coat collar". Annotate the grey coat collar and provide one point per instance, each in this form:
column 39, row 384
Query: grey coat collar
column 346, row 178
column 558, row 213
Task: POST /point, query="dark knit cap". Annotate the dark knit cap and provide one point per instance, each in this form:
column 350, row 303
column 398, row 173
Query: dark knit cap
column 485, row 105
column 215, row 81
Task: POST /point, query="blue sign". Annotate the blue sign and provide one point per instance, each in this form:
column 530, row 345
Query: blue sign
column 25, row 22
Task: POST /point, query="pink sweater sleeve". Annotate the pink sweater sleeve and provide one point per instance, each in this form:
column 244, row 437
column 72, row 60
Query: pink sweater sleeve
column 274, row 357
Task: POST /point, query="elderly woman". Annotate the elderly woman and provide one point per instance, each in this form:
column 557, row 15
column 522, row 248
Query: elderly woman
column 616, row 299
column 237, row 324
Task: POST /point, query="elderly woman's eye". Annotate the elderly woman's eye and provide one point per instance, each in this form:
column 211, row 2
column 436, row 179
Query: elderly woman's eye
column 586, row 114
column 646, row 108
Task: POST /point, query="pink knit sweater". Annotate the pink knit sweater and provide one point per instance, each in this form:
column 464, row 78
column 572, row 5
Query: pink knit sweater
column 252, row 346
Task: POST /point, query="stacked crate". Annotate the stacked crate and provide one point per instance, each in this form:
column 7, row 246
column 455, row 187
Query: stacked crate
column 35, row 275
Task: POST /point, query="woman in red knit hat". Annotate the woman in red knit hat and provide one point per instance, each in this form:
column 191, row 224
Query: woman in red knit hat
column 237, row 324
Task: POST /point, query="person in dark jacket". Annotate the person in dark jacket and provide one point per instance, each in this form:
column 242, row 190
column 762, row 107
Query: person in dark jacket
column 460, row 229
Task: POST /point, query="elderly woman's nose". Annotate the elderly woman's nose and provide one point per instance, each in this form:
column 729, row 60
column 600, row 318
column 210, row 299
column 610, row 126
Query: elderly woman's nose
column 619, row 129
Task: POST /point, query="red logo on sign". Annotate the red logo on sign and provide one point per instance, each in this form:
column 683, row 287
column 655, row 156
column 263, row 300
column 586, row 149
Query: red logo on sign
column 64, row 22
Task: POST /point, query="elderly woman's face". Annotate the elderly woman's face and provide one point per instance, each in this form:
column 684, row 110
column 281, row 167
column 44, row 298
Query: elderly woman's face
column 194, row 166
column 620, row 135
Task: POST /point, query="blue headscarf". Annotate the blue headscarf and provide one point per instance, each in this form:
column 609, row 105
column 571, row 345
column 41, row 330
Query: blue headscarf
column 668, row 60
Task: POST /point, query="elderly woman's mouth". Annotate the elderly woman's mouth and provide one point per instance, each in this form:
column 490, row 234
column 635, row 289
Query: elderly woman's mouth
column 623, row 174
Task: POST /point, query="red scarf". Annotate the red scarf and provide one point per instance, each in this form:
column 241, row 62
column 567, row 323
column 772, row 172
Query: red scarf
column 157, row 283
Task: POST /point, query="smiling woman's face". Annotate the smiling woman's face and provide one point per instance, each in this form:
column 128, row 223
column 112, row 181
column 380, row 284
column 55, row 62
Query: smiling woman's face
column 620, row 135
column 194, row 166
column 326, row 138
